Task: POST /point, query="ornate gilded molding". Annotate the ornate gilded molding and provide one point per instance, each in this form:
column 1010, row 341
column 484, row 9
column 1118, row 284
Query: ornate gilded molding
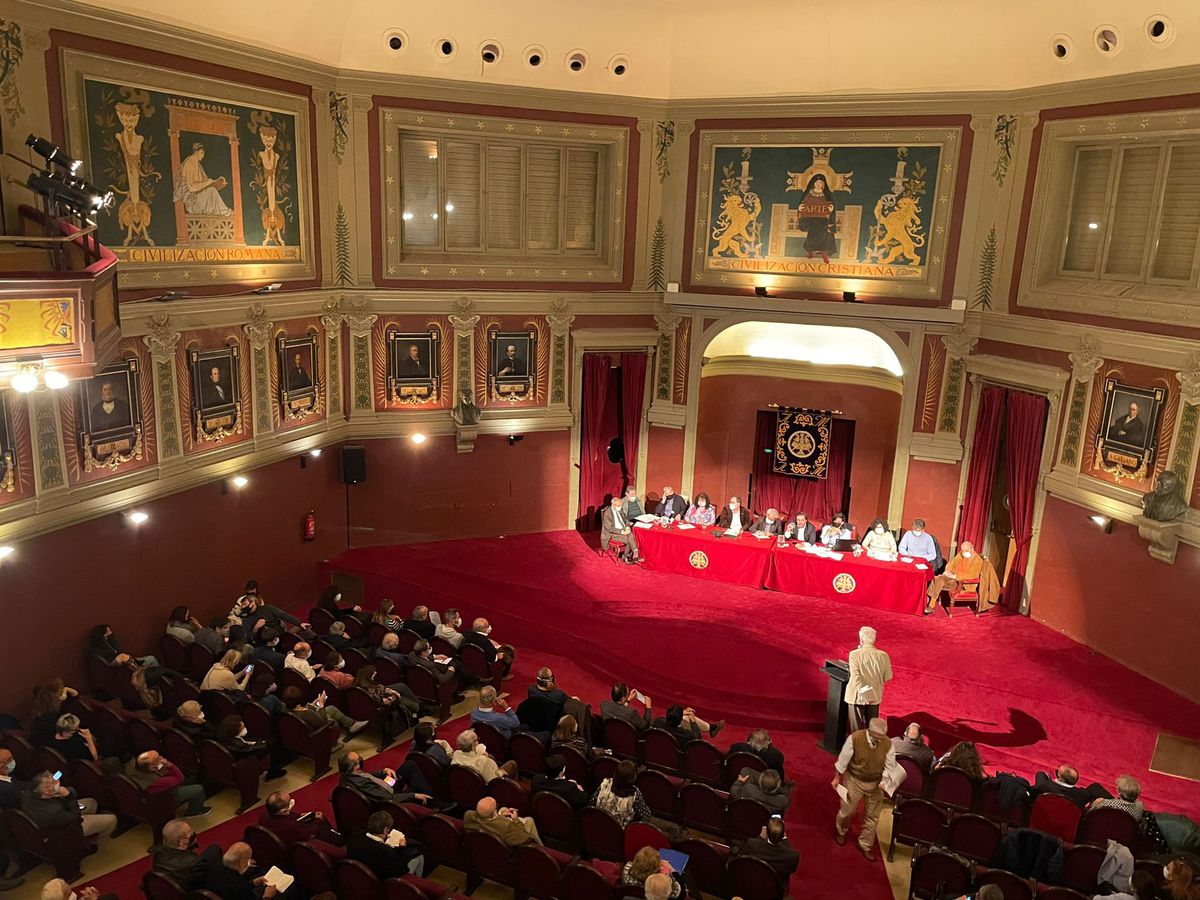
column 664, row 371
column 464, row 347
column 1189, row 381
column 1086, row 361
column 359, row 317
column 162, row 338
column 560, row 329
column 258, row 325
column 48, row 451
column 161, row 342
column 959, row 344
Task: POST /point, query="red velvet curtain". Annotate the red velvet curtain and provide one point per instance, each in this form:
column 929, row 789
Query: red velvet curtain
column 1026, row 430
column 633, row 392
column 819, row 498
column 981, row 476
column 593, row 458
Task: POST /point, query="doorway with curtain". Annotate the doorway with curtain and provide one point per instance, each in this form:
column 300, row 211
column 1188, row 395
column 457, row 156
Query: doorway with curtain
column 1000, row 493
column 614, row 388
column 818, row 498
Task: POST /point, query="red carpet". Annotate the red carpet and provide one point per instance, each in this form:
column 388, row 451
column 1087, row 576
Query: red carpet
column 1031, row 697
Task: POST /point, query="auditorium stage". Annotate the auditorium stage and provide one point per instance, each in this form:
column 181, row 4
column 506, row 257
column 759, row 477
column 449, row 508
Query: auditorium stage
column 1031, row 697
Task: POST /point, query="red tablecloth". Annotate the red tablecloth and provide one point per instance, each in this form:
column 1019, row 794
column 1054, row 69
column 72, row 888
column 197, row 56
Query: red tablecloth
column 741, row 560
column 896, row 586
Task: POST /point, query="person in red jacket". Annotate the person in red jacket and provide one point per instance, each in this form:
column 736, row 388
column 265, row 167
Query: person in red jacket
column 279, row 816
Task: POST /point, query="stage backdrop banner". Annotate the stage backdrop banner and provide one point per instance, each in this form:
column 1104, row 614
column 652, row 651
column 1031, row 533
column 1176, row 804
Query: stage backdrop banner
column 802, row 442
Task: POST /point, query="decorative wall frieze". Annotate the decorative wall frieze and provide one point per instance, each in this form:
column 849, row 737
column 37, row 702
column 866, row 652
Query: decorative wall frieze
column 560, row 329
column 958, row 343
column 258, row 325
column 161, row 341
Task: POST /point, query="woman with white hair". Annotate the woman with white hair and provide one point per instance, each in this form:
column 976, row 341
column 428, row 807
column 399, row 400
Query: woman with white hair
column 1128, row 792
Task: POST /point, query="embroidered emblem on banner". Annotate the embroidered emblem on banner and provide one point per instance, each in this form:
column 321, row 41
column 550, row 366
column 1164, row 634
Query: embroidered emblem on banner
column 698, row 559
column 844, row 583
column 802, row 438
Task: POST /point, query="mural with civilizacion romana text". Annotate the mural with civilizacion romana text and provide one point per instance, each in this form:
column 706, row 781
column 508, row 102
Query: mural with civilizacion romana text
column 211, row 178
column 834, row 210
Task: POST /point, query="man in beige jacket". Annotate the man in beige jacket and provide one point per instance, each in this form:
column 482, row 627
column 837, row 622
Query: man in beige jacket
column 870, row 668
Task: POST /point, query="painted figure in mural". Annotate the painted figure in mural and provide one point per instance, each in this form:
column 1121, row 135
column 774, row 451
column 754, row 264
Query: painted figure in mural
column 298, row 378
column 818, row 218
column 1128, row 428
column 413, row 366
column 111, row 412
column 1166, row 502
column 134, row 212
column 200, row 194
column 897, row 232
column 272, row 215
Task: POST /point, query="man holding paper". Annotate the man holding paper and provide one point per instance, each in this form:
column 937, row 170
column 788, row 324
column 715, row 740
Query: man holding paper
column 859, row 771
column 233, row 879
column 618, row 707
column 617, row 527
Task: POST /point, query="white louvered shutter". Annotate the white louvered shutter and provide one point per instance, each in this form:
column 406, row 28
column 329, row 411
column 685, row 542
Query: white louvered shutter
column 583, row 176
column 1088, row 208
column 503, row 197
column 543, row 198
column 1179, row 225
column 419, row 193
column 1132, row 208
column 463, row 189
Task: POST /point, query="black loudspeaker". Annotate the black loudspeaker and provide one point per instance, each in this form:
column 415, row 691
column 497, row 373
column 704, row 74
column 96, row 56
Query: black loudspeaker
column 354, row 464
column 616, row 450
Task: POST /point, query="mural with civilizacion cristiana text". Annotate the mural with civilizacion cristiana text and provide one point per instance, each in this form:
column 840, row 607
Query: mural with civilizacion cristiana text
column 864, row 210
column 211, row 179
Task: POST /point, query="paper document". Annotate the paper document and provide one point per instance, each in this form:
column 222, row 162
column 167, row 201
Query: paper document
column 921, row 566
column 893, row 777
column 647, row 517
column 906, row 559
column 643, row 524
column 442, row 659
column 842, row 792
column 677, row 860
column 684, row 526
column 836, row 556
column 278, row 879
column 394, row 838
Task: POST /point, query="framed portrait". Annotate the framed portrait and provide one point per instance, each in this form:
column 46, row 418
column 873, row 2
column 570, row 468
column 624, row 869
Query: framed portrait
column 109, row 423
column 298, row 377
column 414, row 367
column 1128, row 440
column 216, row 392
column 512, row 364
column 8, row 455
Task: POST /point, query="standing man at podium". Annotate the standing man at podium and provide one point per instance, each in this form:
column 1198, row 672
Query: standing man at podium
column 870, row 668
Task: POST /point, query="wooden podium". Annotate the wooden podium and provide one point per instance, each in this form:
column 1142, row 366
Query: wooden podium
column 837, row 714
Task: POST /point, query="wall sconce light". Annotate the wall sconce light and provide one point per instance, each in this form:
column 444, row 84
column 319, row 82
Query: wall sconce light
column 850, row 297
column 761, row 291
column 1105, row 523
column 418, row 439
column 6, row 552
column 134, row 518
column 238, row 481
column 513, row 438
column 314, row 452
column 34, row 376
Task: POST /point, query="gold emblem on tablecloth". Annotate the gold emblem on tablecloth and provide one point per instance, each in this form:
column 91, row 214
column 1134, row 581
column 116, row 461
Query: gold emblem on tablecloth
column 698, row 559
column 843, row 583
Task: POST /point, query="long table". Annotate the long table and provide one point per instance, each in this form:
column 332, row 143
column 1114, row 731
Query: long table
column 746, row 560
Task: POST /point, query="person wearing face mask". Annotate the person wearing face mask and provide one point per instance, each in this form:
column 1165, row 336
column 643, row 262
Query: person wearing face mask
column 671, row 506
column 701, row 512
column 189, row 718
column 57, row 889
column 331, row 601
column 233, row 735
column 770, row 524
column 800, row 529
column 267, row 651
column 332, row 671
column 11, row 788
column 237, row 878
column 178, row 859
column 616, row 528
column 155, row 774
column 631, row 506
column 480, row 636
column 965, row 566
column 879, row 541
column 918, row 543
column 838, row 529
column 448, row 628
column 734, row 517
column 280, row 817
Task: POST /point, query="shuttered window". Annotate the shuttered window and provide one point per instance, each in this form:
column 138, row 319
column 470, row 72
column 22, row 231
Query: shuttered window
column 1135, row 213
column 503, row 197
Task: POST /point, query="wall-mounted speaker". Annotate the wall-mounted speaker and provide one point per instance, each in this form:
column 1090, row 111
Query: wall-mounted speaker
column 354, row 464
column 616, row 450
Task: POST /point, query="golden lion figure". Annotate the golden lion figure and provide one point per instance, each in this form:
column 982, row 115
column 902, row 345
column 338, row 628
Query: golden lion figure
column 735, row 225
column 897, row 232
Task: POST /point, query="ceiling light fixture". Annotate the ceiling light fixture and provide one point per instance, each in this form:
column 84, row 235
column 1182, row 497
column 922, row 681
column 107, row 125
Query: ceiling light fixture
column 25, row 380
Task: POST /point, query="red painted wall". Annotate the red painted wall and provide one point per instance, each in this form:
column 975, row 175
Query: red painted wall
column 200, row 545
column 664, row 460
column 930, row 493
column 1105, row 591
column 725, row 433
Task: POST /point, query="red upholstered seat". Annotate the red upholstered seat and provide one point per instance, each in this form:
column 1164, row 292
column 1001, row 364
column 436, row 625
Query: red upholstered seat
column 351, row 809
column 554, row 818
column 974, row 837
column 488, row 857
column 219, row 766
column 267, row 847
column 1014, row 886
column 735, row 762
column 916, row 822
column 754, row 879
column 528, row 753
column 703, row 807
column 952, row 787
column 582, row 882
column 312, row 868
column 660, row 792
column 133, row 804
column 511, row 793
column 913, row 784
column 967, row 592
column 353, row 879
column 621, row 738
column 143, row 735
column 443, row 840
column 1099, row 826
column 703, row 762
column 466, row 786
column 643, row 834
column 1081, row 866
column 660, row 750
column 320, row 620
column 317, row 745
column 745, row 818
column 157, row 886
column 490, row 737
column 433, row 771
column 1055, row 814
column 706, row 864
column 600, row 834
column 936, row 874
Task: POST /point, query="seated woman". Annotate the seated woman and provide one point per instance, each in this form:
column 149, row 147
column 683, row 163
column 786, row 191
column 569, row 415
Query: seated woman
column 237, row 641
column 1128, row 792
column 385, row 616
column 398, row 708
column 72, row 741
column 221, row 678
column 964, row 755
column 104, row 644
column 878, row 541
column 1181, row 879
column 701, row 511
column 567, row 734
column 250, row 608
column 425, row 740
column 189, row 718
column 619, row 796
column 332, row 672
column 645, row 863
column 182, row 624
column 47, row 707
column 234, row 737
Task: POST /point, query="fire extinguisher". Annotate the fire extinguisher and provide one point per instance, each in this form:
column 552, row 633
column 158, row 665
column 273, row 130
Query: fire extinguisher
column 309, row 526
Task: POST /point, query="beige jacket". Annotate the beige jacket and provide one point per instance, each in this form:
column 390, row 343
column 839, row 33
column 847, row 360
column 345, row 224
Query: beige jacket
column 869, row 670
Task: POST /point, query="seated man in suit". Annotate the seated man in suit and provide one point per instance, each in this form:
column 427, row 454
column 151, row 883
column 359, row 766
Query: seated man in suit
column 1066, row 782
column 420, row 623
column 386, row 859
column 685, row 724
column 502, row 822
column 768, row 524
column 480, row 636
column 555, row 781
column 800, row 529
column 671, row 506
column 176, row 856
column 758, row 742
column 618, row 707
column 279, row 817
column 235, row 879
column 766, row 787
column 734, row 517
column 422, row 657
column 403, row 785
column 772, row 846
column 545, row 704
column 911, row 745
column 617, row 528
column 838, row 529
column 631, row 506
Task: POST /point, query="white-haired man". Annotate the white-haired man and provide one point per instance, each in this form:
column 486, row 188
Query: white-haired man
column 870, row 669
column 474, row 755
column 57, row 889
column 859, row 769
column 770, row 523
